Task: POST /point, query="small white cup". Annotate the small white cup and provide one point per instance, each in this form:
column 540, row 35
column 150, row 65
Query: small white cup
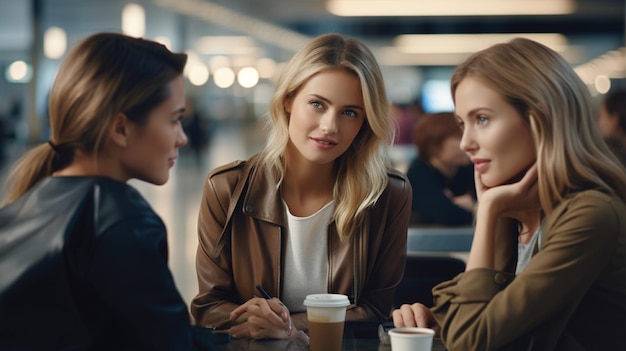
column 411, row 339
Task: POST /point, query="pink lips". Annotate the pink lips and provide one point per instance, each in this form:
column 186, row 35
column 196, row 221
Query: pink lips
column 171, row 161
column 480, row 165
column 324, row 143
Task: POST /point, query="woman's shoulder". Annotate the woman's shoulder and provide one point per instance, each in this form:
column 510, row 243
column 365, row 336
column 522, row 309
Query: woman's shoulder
column 228, row 170
column 593, row 206
column 393, row 173
column 116, row 202
column 121, row 193
column 110, row 201
column 228, row 175
column 64, row 199
column 227, row 180
column 594, row 197
column 75, row 189
column 397, row 181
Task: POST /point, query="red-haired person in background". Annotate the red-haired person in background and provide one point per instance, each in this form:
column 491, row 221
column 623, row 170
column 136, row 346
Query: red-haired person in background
column 612, row 122
column 441, row 175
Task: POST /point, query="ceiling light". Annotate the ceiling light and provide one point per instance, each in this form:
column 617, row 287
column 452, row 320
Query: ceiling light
column 223, row 45
column 213, row 13
column 247, row 77
column 391, row 56
column 54, row 42
column 469, row 43
column 134, row 20
column 224, row 77
column 18, row 72
column 602, row 84
column 198, row 73
column 356, row 8
column 610, row 64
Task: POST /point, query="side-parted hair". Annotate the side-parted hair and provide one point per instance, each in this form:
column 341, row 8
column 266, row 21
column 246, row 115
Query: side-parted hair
column 432, row 130
column 362, row 169
column 556, row 104
column 105, row 74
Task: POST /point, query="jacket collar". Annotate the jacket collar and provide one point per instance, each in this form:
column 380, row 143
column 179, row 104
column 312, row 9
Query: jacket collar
column 263, row 200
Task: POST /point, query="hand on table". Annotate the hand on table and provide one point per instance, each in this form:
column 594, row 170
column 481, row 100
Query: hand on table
column 415, row 315
column 265, row 319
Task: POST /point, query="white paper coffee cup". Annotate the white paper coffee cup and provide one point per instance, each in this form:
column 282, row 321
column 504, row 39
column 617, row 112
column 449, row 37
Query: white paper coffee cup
column 411, row 339
column 326, row 314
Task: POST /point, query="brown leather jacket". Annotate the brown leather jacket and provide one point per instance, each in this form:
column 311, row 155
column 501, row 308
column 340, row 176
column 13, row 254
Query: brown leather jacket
column 240, row 246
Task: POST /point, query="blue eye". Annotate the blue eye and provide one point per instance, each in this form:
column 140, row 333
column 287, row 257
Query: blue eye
column 317, row 104
column 482, row 120
column 351, row 113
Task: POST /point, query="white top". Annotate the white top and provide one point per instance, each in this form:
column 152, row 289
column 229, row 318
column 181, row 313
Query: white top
column 525, row 251
column 306, row 257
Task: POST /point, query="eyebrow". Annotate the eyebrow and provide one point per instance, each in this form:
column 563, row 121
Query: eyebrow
column 475, row 111
column 179, row 110
column 346, row 106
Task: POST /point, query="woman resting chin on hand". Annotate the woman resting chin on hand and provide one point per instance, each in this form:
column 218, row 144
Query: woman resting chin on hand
column 548, row 252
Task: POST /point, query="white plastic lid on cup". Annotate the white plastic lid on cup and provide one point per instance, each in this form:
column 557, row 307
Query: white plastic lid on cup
column 326, row 308
column 326, row 300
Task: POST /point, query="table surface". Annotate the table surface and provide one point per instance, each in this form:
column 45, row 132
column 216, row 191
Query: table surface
column 294, row 345
column 357, row 335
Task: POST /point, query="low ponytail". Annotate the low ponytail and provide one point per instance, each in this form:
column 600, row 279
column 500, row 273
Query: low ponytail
column 35, row 165
column 105, row 74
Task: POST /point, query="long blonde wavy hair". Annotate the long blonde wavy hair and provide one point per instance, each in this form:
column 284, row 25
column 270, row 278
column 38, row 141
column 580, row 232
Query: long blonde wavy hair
column 362, row 169
column 106, row 73
column 554, row 101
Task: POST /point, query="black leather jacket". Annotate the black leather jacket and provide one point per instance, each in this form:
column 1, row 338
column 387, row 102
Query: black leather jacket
column 83, row 266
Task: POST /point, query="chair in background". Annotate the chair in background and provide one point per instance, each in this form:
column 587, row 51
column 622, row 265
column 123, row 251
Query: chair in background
column 421, row 274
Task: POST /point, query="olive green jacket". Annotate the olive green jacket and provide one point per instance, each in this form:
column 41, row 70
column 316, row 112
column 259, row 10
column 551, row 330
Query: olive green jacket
column 571, row 295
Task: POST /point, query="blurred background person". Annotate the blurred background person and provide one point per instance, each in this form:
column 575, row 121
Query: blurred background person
column 441, row 175
column 612, row 122
column 197, row 128
column 405, row 116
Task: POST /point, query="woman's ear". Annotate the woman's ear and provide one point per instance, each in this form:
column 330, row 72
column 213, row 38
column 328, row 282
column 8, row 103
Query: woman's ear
column 287, row 104
column 119, row 130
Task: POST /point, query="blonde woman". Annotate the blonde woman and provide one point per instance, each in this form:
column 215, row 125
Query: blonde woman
column 317, row 211
column 547, row 268
column 83, row 256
